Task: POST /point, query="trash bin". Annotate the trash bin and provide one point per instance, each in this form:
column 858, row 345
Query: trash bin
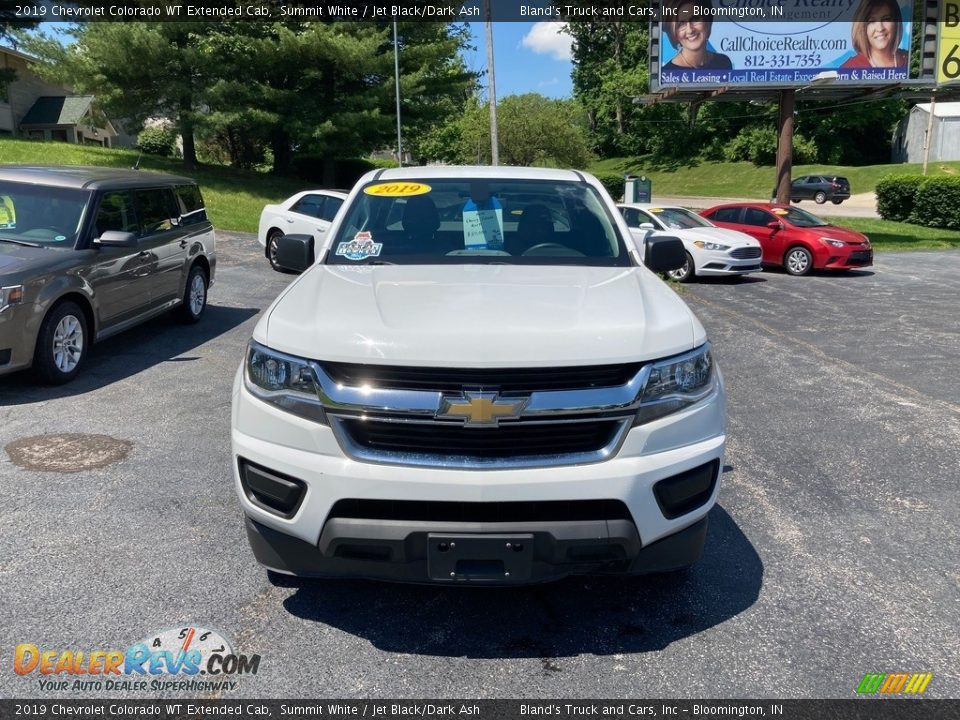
column 637, row 189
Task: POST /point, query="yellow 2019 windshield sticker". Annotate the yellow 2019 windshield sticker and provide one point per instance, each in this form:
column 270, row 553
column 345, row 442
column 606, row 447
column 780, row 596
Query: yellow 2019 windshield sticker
column 397, row 189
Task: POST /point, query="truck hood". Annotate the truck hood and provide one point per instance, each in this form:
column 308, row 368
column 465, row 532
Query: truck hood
column 479, row 316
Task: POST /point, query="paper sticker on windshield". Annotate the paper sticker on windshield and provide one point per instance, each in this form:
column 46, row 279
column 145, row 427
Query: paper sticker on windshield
column 360, row 248
column 779, row 211
column 60, row 238
column 397, row 189
column 483, row 225
column 8, row 216
column 656, row 210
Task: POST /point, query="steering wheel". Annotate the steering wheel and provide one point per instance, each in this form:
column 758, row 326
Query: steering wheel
column 564, row 250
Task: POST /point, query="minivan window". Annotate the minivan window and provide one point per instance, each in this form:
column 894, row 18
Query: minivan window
column 116, row 213
column 154, row 208
column 191, row 204
column 478, row 220
column 48, row 216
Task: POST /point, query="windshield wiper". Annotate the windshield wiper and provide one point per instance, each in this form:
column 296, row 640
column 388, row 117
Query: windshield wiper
column 20, row 242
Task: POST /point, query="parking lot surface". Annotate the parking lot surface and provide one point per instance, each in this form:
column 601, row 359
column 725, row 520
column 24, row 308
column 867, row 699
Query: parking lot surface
column 832, row 552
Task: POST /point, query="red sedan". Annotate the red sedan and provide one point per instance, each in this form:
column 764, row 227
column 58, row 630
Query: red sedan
column 793, row 238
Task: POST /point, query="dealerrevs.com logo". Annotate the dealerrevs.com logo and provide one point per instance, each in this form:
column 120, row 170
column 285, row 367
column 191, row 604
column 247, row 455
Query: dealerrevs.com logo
column 189, row 659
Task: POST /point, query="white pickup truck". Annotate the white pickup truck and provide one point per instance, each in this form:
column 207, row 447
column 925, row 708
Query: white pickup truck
column 476, row 380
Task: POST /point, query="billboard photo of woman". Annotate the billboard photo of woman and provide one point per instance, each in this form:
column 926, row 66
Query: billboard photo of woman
column 876, row 32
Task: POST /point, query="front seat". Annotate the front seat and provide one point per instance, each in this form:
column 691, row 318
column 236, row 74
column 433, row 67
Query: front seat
column 420, row 221
column 535, row 228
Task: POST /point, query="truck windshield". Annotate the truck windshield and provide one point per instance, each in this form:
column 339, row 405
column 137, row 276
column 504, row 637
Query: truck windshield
column 469, row 221
column 40, row 215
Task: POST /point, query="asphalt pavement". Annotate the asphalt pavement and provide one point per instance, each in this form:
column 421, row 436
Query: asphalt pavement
column 832, row 551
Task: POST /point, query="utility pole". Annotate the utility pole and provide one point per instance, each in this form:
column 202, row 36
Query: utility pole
column 396, row 78
column 929, row 137
column 492, row 91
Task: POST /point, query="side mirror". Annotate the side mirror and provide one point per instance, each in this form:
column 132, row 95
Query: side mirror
column 664, row 254
column 775, row 225
column 295, row 252
column 647, row 226
column 116, row 238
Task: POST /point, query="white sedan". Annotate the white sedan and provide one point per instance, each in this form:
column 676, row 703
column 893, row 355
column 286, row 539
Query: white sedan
column 307, row 213
column 711, row 250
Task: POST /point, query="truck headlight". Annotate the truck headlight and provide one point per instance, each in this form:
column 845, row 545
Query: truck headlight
column 12, row 295
column 283, row 380
column 677, row 382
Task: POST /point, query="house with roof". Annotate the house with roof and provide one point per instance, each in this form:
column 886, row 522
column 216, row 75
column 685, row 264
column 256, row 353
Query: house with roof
column 33, row 108
column 910, row 138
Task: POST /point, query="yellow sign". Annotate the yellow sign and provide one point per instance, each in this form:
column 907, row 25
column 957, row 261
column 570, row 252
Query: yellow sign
column 397, row 189
column 8, row 216
column 779, row 211
column 948, row 55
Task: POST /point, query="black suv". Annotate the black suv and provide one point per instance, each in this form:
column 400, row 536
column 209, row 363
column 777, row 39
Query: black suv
column 819, row 188
column 86, row 253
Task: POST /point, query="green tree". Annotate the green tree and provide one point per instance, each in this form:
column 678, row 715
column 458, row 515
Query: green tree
column 532, row 129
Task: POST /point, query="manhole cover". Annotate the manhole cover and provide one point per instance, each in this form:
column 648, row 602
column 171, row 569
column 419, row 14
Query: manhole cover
column 67, row 452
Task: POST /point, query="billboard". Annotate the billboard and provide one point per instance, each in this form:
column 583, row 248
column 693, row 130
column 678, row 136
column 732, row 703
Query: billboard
column 948, row 60
column 729, row 42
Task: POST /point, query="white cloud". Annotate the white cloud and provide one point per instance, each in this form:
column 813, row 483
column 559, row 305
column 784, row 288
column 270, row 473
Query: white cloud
column 549, row 38
column 548, row 83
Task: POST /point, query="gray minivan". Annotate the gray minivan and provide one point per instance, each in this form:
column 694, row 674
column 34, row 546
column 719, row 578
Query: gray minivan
column 86, row 253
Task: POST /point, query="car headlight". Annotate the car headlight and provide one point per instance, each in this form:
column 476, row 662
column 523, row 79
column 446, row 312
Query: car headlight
column 866, row 240
column 675, row 383
column 710, row 245
column 12, row 295
column 283, row 380
column 831, row 241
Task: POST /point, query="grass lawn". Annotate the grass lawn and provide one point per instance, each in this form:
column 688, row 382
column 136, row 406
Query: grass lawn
column 744, row 179
column 234, row 198
column 886, row 235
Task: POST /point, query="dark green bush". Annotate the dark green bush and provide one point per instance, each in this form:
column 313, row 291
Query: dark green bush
column 759, row 146
column 613, row 182
column 937, row 203
column 157, row 141
column 896, row 196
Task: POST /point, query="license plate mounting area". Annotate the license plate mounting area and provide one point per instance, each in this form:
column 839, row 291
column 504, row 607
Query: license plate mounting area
column 480, row 558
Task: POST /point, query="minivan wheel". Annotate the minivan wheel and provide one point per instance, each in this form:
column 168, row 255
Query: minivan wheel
column 273, row 244
column 820, row 198
column 194, row 296
column 685, row 273
column 798, row 261
column 61, row 345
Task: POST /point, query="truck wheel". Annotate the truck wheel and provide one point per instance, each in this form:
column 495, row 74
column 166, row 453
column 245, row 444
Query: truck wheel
column 61, row 345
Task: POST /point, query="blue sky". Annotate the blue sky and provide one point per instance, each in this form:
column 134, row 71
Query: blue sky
column 528, row 57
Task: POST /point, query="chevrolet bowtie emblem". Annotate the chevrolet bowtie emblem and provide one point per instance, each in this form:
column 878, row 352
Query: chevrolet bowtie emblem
column 480, row 408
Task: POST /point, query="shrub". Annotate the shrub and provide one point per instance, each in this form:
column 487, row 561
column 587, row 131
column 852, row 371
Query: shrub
column 345, row 172
column 157, row 141
column 937, row 203
column 759, row 146
column 613, row 182
column 896, row 196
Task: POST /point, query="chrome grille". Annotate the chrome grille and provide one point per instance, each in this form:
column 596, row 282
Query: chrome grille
column 745, row 253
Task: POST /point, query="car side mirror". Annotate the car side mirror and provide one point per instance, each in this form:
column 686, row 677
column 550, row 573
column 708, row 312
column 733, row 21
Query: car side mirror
column 775, row 225
column 664, row 254
column 116, row 238
column 647, row 226
column 295, row 252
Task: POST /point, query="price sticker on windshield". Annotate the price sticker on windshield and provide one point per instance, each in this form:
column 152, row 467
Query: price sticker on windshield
column 397, row 189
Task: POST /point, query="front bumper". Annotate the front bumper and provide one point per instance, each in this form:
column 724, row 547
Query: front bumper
column 854, row 259
column 17, row 337
column 316, row 541
column 716, row 263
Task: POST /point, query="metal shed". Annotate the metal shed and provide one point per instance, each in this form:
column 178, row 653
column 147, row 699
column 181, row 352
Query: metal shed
column 909, row 139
